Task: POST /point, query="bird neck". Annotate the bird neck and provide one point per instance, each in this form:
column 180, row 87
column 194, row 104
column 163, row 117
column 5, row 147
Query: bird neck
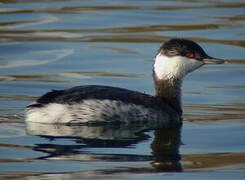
column 169, row 88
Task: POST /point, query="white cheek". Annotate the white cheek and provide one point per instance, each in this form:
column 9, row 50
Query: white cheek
column 178, row 66
column 188, row 65
column 160, row 67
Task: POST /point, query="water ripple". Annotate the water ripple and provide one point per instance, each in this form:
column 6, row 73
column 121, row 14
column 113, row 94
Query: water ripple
column 60, row 54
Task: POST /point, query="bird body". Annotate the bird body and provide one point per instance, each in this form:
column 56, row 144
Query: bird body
column 99, row 104
column 105, row 104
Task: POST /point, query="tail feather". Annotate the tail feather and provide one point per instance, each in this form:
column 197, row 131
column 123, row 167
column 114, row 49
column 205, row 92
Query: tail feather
column 37, row 105
column 50, row 97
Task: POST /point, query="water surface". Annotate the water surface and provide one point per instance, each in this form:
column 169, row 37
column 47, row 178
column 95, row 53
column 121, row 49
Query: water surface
column 58, row 44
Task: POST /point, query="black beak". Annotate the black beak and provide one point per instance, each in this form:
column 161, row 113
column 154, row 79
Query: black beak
column 211, row 60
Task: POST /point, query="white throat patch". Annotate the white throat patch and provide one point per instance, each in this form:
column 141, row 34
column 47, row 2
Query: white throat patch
column 178, row 66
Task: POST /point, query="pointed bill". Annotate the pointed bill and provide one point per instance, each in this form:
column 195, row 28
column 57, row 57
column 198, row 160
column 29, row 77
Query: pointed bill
column 211, row 60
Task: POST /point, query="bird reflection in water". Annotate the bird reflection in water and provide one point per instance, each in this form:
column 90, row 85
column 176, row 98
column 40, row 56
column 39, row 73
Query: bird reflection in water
column 165, row 155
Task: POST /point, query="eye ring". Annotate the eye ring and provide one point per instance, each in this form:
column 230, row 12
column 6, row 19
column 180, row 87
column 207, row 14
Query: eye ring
column 191, row 55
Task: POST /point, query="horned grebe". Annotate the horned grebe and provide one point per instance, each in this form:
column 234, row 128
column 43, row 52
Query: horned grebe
column 105, row 104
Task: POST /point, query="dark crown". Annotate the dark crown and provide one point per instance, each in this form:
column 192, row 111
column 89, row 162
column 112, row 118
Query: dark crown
column 182, row 47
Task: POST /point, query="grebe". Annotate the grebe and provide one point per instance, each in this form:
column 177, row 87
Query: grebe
column 105, row 104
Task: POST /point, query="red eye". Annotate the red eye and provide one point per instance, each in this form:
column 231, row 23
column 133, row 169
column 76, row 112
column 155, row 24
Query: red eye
column 191, row 55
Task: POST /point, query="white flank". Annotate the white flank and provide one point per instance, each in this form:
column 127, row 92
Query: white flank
column 92, row 111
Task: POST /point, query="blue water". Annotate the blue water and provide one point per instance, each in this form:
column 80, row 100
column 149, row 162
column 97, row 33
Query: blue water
column 59, row 44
